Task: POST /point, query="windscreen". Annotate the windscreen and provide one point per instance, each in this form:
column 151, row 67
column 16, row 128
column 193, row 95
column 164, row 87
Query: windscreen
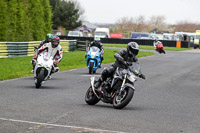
column 94, row 49
column 135, row 68
column 46, row 56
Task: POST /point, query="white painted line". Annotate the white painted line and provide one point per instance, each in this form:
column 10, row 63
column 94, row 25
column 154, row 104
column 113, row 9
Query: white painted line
column 32, row 76
column 56, row 125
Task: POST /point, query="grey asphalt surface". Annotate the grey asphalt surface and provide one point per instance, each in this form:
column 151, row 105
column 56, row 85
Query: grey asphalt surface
column 168, row 101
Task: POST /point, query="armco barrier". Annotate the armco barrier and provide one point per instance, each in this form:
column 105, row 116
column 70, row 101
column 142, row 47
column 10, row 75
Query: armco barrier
column 168, row 43
column 13, row 49
column 82, row 45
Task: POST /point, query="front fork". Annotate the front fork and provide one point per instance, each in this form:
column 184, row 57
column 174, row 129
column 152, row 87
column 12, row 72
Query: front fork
column 92, row 84
column 122, row 88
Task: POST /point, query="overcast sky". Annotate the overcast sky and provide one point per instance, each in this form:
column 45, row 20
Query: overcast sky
column 109, row 11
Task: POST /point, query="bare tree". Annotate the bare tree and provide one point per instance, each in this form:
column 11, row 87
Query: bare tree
column 140, row 24
column 185, row 26
column 126, row 24
column 158, row 23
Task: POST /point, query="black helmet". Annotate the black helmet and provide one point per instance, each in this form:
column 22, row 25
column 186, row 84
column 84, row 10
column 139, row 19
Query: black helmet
column 55, row 41
column 132, row 48
column 49, row 37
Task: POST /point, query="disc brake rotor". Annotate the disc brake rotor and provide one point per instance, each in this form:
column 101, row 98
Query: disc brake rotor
column 121, row 97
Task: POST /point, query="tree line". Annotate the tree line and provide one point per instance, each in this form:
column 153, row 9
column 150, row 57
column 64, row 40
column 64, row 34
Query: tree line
column 31, row 20
column 24, row 20
column 140, row 24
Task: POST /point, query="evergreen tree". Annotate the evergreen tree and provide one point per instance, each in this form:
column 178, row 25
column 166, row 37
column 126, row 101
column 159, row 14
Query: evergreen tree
column 24, row 20
column 12, row 14
column 65, row 14
column 37, row 21
column 28, row 36
column 3, row 20
column 47, row 16
column 20, row 31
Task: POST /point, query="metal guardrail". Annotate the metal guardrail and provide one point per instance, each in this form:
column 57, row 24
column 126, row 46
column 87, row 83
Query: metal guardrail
column 82, row 45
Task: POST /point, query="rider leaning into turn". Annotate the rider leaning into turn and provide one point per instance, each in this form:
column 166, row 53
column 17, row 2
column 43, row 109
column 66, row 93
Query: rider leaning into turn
column 55, row 49
column 122, row 57
column 156, row 43
column 97, row 43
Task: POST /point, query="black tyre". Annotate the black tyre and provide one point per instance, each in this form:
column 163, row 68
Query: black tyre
column 195, row 46
column 39, row 79
column 163, row 51
column 121, row 102
column 91, row 67
column 90, row 97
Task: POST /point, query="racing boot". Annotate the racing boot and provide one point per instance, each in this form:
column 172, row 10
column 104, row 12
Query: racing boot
column 33, row 62
column 98, row 83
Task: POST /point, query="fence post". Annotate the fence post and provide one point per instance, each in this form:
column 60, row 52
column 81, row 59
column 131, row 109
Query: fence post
column 86, row 44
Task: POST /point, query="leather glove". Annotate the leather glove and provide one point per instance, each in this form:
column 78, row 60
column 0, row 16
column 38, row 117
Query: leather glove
column 142, row 76
column 55, row 63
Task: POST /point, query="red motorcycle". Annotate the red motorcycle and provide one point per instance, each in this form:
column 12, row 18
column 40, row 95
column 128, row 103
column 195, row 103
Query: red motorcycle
column 159, row 48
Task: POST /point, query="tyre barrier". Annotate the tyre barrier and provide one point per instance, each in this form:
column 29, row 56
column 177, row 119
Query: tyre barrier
column 15, row 49
column 148, row 42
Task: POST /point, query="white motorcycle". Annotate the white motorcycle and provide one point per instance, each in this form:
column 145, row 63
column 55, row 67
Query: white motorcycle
column 43, row 68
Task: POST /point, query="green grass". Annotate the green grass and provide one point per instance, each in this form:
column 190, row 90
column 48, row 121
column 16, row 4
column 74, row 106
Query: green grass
column 16, row 67
column 146, row 47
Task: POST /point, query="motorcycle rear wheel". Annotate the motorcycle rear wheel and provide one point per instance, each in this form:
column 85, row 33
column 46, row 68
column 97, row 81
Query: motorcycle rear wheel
column 120, row 102
column 90, row 97
column 39, row 79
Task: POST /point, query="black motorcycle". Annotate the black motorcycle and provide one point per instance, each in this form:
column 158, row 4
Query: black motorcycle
column 120, row 87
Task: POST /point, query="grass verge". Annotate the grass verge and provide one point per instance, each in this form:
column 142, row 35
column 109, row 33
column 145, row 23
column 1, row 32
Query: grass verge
column 146, row 47
column 16, row 67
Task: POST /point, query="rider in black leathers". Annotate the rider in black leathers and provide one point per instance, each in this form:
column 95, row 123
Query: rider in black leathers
column 122, row 57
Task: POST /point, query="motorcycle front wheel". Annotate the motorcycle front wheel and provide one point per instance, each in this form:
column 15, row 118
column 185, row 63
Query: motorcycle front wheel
column 90, row 97
column 163, row 51
column 121, row 101
column 39, row 79
column 91, row 67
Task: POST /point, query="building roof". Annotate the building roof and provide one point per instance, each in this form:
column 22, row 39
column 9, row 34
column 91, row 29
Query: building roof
column 89, row 25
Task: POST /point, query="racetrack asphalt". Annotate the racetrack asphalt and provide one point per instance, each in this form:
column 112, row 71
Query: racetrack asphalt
column 168, row 101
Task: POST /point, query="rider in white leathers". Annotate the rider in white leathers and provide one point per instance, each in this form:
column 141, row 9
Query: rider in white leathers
column 55, row 51
column 156, row 43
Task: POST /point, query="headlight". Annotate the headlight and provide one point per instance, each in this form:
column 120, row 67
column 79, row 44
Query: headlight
column 48, row 66
column 132, row 78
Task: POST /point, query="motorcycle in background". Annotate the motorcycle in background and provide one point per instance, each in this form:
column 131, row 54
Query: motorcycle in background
column 93, row 59
column 120, row 87
column 159, row 48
